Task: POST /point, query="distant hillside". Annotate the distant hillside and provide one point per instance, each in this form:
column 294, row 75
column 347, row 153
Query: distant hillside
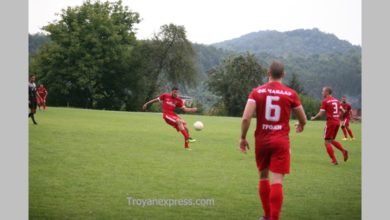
column 319, row 59
column 301, row 42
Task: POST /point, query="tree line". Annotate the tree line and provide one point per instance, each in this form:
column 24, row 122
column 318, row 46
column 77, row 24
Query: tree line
column 92, row 59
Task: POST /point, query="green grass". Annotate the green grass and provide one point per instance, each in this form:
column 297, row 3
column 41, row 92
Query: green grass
column 85, row 163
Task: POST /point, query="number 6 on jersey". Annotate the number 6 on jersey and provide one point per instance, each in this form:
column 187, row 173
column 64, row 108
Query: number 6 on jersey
column 269, row 108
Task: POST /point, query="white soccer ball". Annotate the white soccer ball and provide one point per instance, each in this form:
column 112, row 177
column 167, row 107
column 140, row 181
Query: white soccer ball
column 198, row 125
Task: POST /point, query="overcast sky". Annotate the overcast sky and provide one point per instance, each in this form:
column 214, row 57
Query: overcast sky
column 211, row 21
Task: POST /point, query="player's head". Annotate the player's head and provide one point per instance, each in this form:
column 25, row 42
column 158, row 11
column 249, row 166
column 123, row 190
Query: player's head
column 343, row 100
column 175, row 91
column 276, row 70
column 32, row 78
column 326, row 91
column 41, row 85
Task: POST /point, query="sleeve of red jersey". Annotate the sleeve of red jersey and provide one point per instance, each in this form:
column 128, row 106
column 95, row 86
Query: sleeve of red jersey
column 161, row 97
column 251, row 97
column 323, row 106
column 296, row 101
column 180, row 103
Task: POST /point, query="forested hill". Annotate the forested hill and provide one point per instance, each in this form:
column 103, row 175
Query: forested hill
column 304, row 42
column 317, row 58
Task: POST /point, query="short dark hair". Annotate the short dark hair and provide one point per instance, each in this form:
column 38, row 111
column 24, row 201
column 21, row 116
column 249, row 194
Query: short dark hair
column 327, row 88
column 276, row 69
column 175, row 88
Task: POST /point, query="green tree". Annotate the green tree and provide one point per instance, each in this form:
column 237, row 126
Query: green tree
column 234, row 79
column 86, row 63
column 310, row 104
column 169, row 58
column 295, row 84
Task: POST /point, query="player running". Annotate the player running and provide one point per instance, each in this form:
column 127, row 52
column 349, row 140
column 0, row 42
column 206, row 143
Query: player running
column 331, row 106
column 272, row 103
column 171, row 101
column 346, row 112
column 42, row 94
column 32, row 98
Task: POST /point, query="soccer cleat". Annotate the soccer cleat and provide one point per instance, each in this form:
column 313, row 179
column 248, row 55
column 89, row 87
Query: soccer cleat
column 264, row 218
column 352, row 139
column 187, row 148
column 191, row 140
column 334, row 163
column 345, row 154
column 344, row 139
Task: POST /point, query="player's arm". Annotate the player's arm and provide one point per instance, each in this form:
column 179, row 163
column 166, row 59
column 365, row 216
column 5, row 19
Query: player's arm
column 150, row 102
column 301, row 116
column 318, row 115
column 189, row 110
column 342, row 109
column 250, row 108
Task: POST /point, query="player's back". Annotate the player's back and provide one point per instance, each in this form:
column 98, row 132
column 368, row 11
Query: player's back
column 274, row 102
column 331, row 106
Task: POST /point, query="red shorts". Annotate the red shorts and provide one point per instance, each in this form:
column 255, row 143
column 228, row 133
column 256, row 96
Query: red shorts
column 345, row 122
column 41, row 100
column 172, row 120
column 273, row 155
column 330, row 131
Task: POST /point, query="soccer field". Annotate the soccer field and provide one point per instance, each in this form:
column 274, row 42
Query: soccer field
column 85, row 164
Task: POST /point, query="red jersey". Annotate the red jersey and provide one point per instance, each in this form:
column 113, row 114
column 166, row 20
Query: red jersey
column 274, row 102
column 169, row 103
column 332, row 108
column 42, row 92
column 347, row 107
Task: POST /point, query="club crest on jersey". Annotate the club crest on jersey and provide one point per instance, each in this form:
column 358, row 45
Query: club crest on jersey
column 171, row 103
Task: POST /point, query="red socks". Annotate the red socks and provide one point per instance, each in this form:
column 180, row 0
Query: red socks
column 271, row 198
column 350, row 132
column 276, row 200
column 264, row 191
column 345, row 132
column 185, row 134
column 338, row 146
column 329, row 149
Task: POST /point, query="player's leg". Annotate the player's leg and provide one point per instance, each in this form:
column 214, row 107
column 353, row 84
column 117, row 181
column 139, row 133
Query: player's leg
column 278, row 167
column 344, row 131
column 190, row 139
column 33, row 107
column 328, row 143
column 183, row 131
column 349, row 130
column 276, row 195
column 262, row 155
column 337, row 144
column 264, row 191
column 44, row 104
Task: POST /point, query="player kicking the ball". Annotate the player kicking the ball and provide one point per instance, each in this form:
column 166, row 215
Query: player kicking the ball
column 171, row 101
column 272, row 103
column 331, row 106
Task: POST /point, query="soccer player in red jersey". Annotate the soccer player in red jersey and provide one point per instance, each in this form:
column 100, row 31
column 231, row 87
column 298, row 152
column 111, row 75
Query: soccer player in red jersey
column 171, row 101
column 42, row 94
column 347, row 112
column 331, row 107
column 272, row 103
